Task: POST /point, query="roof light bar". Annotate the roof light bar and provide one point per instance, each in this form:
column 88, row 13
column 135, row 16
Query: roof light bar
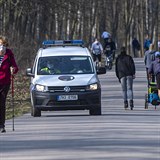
column 48, row 43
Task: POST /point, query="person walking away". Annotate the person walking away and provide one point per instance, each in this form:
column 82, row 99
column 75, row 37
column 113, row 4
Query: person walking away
column 147, row 42
column 155, row 69
column 135, row 46
column 97, row 50
column 125, row 72
column 8, row 67
column 149, row 57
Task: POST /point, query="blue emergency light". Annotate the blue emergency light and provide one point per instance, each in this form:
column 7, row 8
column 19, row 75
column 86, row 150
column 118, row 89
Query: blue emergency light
column 48, row 43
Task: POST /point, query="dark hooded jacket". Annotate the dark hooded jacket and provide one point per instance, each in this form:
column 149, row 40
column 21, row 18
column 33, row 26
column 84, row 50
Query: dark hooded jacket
column 124, row 66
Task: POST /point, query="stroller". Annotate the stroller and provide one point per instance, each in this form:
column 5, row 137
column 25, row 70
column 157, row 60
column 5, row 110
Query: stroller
column 152, row 96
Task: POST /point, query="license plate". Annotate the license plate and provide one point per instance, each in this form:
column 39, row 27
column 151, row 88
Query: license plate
column 67, row 97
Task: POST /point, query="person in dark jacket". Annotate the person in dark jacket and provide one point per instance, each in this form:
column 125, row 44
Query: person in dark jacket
column 8, row 67
column 155, row 69
column 125, row 72
column 135, row 46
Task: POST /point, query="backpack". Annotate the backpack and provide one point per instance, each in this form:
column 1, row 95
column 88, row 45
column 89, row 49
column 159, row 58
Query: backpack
column 153, row 57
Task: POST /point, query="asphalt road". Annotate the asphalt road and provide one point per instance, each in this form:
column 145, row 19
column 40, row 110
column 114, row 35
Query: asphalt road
column 117, row 134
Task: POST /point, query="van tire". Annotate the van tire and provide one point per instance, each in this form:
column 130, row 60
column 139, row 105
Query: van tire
column 95, row 111
column 35, row 112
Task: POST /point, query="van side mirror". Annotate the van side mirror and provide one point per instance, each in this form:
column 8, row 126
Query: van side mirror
column 29, row 72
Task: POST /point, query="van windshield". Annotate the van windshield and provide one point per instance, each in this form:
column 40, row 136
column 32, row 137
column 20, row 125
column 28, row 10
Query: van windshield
column 65, row 65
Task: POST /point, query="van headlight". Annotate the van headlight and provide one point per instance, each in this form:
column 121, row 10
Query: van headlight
column 92, row 87
column 40, row 88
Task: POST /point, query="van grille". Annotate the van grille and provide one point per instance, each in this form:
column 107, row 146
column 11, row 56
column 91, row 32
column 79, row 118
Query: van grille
column 72, row 88
column 80, row 102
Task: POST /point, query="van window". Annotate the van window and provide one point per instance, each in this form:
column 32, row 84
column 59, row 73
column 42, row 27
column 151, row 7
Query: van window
column 65, row 65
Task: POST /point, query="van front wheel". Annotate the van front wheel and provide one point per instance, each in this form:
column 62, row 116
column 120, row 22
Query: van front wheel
column 35, row 112
column 95, row 111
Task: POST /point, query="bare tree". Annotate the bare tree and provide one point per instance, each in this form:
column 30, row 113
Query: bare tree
column 27, row 23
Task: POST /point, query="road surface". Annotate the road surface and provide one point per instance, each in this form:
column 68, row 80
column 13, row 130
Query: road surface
column 117, row 134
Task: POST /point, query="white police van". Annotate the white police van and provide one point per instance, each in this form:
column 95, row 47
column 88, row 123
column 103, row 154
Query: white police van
column 63, row 77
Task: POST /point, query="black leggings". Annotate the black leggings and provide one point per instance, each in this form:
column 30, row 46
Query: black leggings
column 97, row 56
column 3, row 95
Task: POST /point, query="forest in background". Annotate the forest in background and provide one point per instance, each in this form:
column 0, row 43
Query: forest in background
column 27, row 23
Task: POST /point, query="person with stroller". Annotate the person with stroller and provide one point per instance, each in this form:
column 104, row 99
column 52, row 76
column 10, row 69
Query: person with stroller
column 125, row 72
column 97, row 50
column 155, row 69
column 149, row 57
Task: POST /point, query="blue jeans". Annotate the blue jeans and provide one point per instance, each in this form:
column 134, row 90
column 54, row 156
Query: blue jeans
column 127, row 87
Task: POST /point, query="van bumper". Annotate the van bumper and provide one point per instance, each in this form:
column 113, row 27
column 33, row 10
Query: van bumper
column 47, row 101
